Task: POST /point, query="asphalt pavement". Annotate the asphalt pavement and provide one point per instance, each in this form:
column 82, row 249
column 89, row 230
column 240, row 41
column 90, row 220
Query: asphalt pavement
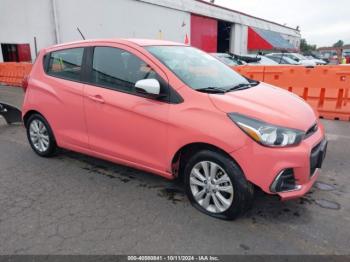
column 74, row 204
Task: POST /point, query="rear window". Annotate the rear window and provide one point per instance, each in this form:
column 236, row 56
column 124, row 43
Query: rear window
column 66, row 63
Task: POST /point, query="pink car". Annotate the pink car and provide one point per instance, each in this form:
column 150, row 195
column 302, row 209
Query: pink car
column 178, row 112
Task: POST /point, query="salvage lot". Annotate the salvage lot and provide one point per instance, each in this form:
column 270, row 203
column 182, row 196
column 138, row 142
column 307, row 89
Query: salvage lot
column 73, row 204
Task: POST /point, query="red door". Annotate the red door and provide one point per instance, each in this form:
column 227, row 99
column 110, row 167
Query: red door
column 23, row 51
column 204, row 33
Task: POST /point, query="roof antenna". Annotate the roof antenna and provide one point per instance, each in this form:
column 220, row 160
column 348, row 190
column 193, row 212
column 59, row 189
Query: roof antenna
column 82, row 36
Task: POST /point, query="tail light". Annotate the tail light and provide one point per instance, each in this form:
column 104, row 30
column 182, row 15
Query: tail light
column 25, row 83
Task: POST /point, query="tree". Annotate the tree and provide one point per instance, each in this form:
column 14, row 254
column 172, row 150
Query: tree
column 340, row 43
column 305, row 47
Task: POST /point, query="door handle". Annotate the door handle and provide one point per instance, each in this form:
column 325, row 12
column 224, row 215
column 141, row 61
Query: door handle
column 97, row 98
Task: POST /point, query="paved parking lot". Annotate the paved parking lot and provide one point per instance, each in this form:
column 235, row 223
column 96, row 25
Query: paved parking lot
column 73, row 204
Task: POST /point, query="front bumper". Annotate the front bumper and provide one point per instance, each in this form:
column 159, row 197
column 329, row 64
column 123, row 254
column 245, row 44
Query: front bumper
column 261, row 165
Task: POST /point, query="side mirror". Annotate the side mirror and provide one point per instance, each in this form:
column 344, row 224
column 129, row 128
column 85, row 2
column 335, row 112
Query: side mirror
column 148, row 86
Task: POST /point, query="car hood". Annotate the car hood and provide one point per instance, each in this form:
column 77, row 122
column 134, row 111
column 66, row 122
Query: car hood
column 269, row 104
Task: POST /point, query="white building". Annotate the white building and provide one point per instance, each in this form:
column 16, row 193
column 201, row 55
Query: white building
column 204, row 25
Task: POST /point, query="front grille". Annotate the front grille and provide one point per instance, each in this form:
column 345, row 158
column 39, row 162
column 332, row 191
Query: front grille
column 311, row 131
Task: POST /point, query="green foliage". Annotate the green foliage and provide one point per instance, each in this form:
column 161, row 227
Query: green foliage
column 340, row 43
column 305, row 47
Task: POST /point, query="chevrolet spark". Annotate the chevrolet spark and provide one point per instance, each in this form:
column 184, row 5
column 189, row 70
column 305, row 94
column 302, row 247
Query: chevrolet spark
column 178, row 112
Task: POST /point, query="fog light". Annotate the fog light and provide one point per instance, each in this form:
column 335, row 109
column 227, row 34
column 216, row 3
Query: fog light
column 285, row 181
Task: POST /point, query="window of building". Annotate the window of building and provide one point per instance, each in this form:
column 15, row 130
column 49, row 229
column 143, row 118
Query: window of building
column 16, row 52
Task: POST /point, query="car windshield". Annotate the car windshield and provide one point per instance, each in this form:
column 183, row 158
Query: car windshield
column 197, row 69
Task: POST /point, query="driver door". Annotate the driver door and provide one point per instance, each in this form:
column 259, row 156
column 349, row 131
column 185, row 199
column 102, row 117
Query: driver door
column 121, row 123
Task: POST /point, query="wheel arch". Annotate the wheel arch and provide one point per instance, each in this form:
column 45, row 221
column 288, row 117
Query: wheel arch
column 181, row 157
column 31, row 112
column 28, row 114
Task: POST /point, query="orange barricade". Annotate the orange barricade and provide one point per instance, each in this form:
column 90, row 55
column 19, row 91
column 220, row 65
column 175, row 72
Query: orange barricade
column 12, row 73
column 252, row 72
column 325, row 88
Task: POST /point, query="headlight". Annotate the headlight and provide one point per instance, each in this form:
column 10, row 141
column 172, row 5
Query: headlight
column 267, row 134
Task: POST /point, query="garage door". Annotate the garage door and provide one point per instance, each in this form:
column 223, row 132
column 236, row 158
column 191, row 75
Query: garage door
column 204, row 32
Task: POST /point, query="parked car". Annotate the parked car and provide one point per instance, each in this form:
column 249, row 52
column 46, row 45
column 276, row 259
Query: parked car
column 316, row 60
column 296, row 57
column 228, row 59
column 283, row 60
column 178, row 112
column 234, row 60
column 262, row 60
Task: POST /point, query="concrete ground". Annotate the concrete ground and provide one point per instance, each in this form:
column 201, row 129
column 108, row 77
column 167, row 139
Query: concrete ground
column 74, row 204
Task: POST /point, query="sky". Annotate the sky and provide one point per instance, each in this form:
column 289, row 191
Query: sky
column 322, row 22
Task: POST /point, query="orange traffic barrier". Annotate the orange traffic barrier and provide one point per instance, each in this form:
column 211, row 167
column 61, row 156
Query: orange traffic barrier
column 252, row 72
column 325, row 88
column 12, row 73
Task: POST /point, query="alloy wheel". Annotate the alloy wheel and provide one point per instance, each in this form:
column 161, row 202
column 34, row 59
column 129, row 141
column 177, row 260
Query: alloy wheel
column 39, row 135
column 211, row 187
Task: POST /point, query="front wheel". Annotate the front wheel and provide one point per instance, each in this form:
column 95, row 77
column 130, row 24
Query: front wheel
column 216, row 185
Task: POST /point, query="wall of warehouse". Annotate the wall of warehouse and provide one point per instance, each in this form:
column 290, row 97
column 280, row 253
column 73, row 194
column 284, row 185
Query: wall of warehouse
column 21, row 20
column 239, row 39
column 295, row 41
column 56, row 21
column 122, row 18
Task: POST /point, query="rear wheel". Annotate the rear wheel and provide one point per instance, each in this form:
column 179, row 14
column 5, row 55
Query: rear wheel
column 40, row 136
column 216, row 185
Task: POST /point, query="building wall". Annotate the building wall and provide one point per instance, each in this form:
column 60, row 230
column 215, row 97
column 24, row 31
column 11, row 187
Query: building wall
column 21, row 20
column 295, row 41
column 55, row 21
column 239, row 39
column 120, row 19
column 205, row 9
column 242, row 21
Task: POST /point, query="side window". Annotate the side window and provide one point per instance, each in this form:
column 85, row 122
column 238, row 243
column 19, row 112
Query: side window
column 118, row 69
column 66, row 63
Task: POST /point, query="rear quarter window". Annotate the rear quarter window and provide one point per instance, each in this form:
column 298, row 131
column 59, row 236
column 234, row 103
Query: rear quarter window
column 66, row 63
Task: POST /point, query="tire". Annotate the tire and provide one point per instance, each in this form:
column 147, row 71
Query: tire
column 37, row 126
column 222, row 204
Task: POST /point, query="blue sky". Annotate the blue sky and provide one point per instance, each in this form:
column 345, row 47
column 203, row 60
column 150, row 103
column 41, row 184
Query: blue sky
column 322, row 22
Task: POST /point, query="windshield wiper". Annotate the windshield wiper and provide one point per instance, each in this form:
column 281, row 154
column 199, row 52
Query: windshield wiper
column 242, row 86
column 212, row 90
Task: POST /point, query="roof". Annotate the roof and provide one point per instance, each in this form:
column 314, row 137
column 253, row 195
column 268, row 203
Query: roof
column 139, row 42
